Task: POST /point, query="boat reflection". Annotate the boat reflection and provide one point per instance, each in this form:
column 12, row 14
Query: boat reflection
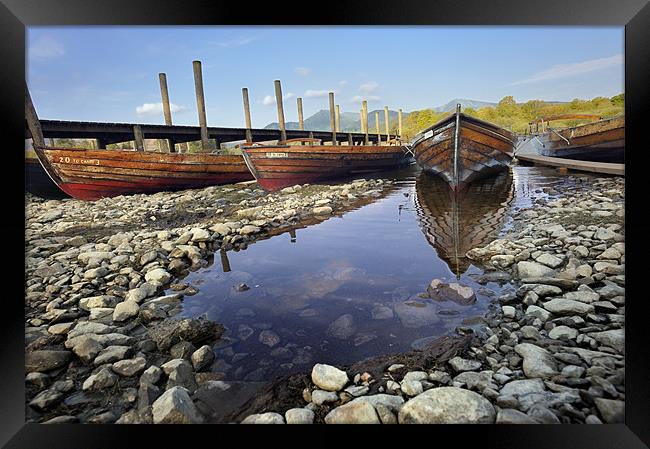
column 454, row 224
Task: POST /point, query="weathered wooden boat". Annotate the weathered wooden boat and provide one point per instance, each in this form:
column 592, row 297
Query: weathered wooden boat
column 37, row 182
column 91, row 174
column 453, row 223
column 300, row 161
column 461, row 149
column 602, row 140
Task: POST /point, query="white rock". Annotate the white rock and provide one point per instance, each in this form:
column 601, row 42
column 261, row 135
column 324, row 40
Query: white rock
column 299, row 416
column 174, row 406
column 264, row 418
column 328, row 378
column 447, row 405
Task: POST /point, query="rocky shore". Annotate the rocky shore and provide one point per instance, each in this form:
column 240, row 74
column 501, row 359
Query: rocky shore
column 102, row 341
column 551, row 349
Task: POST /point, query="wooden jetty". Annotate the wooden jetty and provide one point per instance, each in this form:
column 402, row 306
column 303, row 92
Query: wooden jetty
column 454, row 223
column 461, row 149
column 602, row 140
column 573, row 164
column 299, row 161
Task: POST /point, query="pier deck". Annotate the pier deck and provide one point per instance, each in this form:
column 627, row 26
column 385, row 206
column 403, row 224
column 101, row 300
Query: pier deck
column 573, row 164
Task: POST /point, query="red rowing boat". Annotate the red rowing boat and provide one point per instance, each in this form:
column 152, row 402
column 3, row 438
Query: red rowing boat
column 93, row 174
column 301, row 161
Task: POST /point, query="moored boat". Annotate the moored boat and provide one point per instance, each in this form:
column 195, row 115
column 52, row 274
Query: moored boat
column 300, row 161
column 602, row 140
column 455, row 223
column 461, row 149
column 92, row 174
column 37, row 182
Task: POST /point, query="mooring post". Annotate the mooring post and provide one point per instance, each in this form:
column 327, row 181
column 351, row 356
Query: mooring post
column 350, row 139
column 200, row 105
column 278, row 101
column 399, row 123
column 139, row 137
column 225, row 263
column 301, row 123
column 332, row 119
column 364, row 120
column 167, row 112
column 311, row 134
column 386, row 123
column 101, row 143
column 377, row 125
column 247, row 115
column 338, row 119
column 33, row 123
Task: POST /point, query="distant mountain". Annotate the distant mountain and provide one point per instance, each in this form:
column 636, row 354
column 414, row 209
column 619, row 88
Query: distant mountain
column 350, row 121
column 464, row 103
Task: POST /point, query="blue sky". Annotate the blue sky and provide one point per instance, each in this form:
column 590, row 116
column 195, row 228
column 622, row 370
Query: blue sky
column 111, row 73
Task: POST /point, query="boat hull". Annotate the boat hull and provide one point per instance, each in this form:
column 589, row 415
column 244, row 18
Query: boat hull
column 38, row 183
column 277, row 167
column 94, row 174
column 479, row 149
column 602, row 141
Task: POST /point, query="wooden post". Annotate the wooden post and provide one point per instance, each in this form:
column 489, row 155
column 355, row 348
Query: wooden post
column 399, row 123
column 167, row 112
column 101, row 143
column 364, row 120
column 377, row 126
column 33, row 123
column 247, row 115
column 200, row 105
column 350, row 139
column 338, row 119
column 278, row 100
column 301, row 123
column 139, row 137
column 332, row 119
column 225, row 263
column 386, row 123
column 311, row 134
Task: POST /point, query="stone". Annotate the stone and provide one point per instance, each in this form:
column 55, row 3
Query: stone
column 151, row 375
column 549, row 260
column 456, row 292
column 328, row 377
column 46, row 360
column 125, row 310
column 323, row 210
column 533, row 269
column 202, row 357
column 538, row 312
column 269, row 338
column 459, row 364
column 522, row 387
column 582, row 296
column 200, row 235
column 561, row 306
column 158, row 275
column 112, row 354
column 94, row 302
column 342, row 328
column 411, row 387
column 249, row 229
column 614, row 338
column 179, row 373
column 175, row 406
column 353, row 413
column 508, row 311
column 563, row 332
column 538, row 362
column 414, row 314
column 299, row 416
column 182, row 350
column 381, row 313
column 447, row 405
column 130, row 367
column 612, row 411
column 476, row 381
column 102, row 380
column 320, row 397
column 45, row 400
column 512, row 416
column 86, row 347
column 264, row 418
column 195, row 330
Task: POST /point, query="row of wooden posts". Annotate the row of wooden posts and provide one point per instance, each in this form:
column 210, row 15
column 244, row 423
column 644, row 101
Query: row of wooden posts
column 335, row 121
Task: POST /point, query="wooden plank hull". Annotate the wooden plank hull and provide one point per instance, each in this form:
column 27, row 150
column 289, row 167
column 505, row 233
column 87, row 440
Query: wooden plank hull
column 477, row 149
column 277, row 167
column 453, row 223
column 601, row 141
column 94, row 174
column 38, row 183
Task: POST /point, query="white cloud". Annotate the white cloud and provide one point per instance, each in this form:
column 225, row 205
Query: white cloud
column 270, row 100
column 157, row 108
column 46, row 48
column 357, row 98
column 577, row 68
column 369, row 87
column 303, row 71
column 310, row 93
column 236, row 42
column 343, row 82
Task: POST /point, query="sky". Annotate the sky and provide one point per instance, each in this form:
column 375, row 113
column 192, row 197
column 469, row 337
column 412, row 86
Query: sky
column 110, row 73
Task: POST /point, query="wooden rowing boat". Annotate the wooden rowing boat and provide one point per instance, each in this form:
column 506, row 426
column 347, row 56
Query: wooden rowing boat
column 37, row 182
column 91, row 174
column 598, row 141
column 461, row 149
column 301, row 161
column 454, row 223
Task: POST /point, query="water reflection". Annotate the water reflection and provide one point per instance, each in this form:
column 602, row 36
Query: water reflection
column 454, row 224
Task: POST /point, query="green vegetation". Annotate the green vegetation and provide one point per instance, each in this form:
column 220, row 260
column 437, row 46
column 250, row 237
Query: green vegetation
column 516, row 116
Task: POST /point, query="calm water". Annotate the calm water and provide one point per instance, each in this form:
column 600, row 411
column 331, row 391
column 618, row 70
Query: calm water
column 364, row 271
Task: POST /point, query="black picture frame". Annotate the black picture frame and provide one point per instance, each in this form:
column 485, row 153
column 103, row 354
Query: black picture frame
column 15, row 15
